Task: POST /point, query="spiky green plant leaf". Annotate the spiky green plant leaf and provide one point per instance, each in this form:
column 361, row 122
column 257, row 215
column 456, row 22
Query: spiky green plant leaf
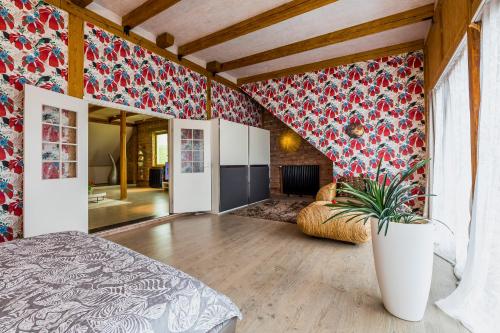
column 384, row 199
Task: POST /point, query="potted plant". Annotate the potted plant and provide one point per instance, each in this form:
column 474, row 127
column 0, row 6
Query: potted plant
column 402, row 240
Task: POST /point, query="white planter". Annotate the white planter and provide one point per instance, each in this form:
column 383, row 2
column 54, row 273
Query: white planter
column 403, row 261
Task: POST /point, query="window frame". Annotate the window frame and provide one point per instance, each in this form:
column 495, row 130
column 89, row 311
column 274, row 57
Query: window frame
column 155, row 151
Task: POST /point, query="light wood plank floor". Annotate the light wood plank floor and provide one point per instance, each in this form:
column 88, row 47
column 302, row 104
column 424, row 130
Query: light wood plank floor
column 284, row 281
column 142, row 202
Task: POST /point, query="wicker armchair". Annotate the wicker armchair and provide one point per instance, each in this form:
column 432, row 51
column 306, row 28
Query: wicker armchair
column 310, row 220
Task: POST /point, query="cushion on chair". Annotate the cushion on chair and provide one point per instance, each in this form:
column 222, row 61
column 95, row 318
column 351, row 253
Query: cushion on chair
column 310, row 221
column 356, row 182
column 327, row 192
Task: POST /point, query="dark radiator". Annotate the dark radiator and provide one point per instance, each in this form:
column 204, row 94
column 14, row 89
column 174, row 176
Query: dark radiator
column 300, row 179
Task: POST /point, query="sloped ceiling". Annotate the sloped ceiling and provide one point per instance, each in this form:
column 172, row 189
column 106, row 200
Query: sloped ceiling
column 104, row 139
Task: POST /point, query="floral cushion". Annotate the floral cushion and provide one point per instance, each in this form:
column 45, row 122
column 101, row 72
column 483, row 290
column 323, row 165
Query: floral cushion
column 327, row 192
column 356, row 182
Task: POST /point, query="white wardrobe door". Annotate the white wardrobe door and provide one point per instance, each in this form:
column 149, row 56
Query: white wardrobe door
column 233, row 143
column 259, row 146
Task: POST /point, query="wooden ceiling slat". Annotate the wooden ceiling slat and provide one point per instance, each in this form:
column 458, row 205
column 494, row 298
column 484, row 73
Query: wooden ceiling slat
column 146, row 11
column 261, row 21
column 348, row 59
column 383, row 24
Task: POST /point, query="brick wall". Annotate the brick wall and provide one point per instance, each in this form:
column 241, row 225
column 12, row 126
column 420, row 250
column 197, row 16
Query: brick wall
column 306, row 154
column 145, row 133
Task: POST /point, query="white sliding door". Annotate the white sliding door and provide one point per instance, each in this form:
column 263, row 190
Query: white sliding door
column 56, row 166
column 233, row 143
column 259, row 146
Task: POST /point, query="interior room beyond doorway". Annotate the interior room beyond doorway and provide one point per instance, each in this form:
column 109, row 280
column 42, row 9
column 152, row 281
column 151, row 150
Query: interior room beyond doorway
column 128, row 168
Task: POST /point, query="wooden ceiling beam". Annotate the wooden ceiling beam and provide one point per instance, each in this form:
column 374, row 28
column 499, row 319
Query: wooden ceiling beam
column 383, row 24
column 165, row 40
column 116, row 29
column 261, row 21
column 118, row 116
column 348, row 59
column 146, row 11
column 105, row 122
column 95, row 108
column 82, row 3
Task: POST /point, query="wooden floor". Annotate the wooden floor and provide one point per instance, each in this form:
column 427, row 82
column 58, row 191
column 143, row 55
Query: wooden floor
column 284, row 281
column 144, row 202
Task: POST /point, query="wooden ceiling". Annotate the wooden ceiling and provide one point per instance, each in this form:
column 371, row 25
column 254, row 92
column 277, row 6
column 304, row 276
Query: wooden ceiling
column 244, row 41
column 105, row 115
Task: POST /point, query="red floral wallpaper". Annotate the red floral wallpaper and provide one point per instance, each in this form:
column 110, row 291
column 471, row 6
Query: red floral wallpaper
column 33, row 49
column 385, row 95
column 234, row 106
column 125, row 73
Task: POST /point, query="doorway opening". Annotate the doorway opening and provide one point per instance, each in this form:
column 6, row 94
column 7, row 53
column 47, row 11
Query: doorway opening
column 128, row 168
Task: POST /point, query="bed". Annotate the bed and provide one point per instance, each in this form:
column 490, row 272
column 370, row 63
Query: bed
column 74, row 282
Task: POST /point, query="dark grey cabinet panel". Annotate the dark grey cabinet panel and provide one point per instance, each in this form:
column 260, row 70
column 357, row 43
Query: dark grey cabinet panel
column 259, row 183
column 233, row 187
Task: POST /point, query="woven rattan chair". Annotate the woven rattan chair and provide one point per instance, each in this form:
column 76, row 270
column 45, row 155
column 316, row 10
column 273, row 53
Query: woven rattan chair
column 310, row 221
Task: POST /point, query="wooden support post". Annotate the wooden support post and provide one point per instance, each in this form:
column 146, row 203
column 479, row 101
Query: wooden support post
column 427, row 102
column 75, row 56
column 209, row 98
column 474, row 55
column 123, row 155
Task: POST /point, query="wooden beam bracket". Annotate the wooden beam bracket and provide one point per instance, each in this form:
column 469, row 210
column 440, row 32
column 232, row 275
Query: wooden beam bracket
column 165, row 40
column 214, row 67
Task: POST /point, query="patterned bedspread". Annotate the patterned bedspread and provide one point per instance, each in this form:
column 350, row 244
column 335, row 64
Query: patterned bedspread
column 73, row 282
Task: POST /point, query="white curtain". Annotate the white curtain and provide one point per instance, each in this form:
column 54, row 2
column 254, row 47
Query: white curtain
column 476, row 301
column 450, row 169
